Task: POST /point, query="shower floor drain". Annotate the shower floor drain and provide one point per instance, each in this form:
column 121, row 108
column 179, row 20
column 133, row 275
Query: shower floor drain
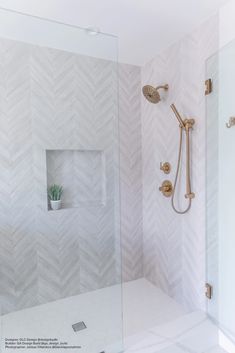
column 79, row 326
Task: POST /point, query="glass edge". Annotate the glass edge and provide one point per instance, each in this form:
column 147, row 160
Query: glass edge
column 46, row 19
column 220, row 49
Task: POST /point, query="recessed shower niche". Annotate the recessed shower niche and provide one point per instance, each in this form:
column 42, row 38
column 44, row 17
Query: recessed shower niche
column 81, row 174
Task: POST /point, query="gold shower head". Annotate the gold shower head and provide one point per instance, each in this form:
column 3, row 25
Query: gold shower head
column 151, row 93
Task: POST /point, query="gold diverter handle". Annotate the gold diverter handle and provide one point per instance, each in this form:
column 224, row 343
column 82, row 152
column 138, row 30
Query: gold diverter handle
column 166, row 188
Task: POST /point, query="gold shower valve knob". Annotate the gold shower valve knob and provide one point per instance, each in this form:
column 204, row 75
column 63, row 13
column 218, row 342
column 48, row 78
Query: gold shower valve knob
column 166, row 188
column 165, row 167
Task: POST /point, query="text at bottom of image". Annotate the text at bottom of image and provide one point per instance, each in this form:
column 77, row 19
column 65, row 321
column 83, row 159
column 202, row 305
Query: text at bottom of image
column 37, row 343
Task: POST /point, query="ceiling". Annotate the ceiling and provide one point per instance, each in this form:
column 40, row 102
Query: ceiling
column 144, row 27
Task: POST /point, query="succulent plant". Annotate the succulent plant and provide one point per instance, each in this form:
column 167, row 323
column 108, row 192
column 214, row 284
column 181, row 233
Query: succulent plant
column 55, row 192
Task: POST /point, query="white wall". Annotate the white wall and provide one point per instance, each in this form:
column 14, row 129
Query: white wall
column 55, row 35
column 56, row 100
column 174, row 245
column 131, row 171
column 227, row 23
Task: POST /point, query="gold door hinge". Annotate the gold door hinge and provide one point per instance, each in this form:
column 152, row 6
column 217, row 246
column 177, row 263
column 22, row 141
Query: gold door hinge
column 209, row 291
column 208, row 84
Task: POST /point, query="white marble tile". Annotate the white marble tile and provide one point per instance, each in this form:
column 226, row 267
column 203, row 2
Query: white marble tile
column 41, row 86
column 216, row 349
column 174, row 247
column 173, row 349
column 146, row 306
column 201, row 338
column 191, row 333
column 180, row 326
column 132, row 340
column 150, row 344
column 187, row 333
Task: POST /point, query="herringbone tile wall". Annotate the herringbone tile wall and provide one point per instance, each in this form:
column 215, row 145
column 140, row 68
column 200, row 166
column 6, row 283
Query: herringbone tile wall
column 174, row 245
column 54, row 100
column 131, row 171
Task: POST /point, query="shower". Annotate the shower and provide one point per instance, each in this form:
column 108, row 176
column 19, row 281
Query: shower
column 151, row 93
column 153, row 96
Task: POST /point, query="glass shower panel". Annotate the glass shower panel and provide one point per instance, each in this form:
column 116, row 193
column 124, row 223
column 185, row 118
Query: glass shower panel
column 220, row 190
column 60, row 270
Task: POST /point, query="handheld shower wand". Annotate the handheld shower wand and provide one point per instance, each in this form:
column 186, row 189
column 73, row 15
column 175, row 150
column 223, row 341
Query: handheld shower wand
column 186, row 125
column 177, row 114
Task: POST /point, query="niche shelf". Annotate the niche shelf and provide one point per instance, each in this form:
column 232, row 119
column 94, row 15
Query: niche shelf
column 82, row 175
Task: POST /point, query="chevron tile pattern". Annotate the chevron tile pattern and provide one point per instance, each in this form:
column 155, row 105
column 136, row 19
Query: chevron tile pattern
column 18, row 285
column 81, row 174
column 161, row 227
column 174, row 245
column 51, row 100
column 130, row 171
column 70, row 113
column 202, row 44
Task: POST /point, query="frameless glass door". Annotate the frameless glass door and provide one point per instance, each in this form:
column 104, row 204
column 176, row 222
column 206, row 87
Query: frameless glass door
column 220, row 188
column 60, row 267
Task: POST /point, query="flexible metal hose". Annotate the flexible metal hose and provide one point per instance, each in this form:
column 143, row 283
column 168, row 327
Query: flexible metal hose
column 188, row 182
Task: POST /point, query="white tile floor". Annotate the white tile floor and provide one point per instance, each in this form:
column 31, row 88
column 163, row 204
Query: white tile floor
column 146, row 306
column 192, row 333
column 153, row 322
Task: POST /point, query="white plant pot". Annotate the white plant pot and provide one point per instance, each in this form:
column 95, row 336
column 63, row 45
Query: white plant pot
column 55, row 205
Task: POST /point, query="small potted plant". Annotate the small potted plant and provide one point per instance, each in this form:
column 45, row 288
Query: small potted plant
column 54, row 195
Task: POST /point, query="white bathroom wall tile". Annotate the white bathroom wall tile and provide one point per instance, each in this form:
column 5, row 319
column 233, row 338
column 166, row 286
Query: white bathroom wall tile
column 52, row 99
column 73, row 107
column 130, row 171
column 197, row 48
column 174, row 245
column 18, row 260
column 161, row 231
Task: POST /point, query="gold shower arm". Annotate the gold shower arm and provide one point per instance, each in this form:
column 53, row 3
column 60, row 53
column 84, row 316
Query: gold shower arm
column 165, row 87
